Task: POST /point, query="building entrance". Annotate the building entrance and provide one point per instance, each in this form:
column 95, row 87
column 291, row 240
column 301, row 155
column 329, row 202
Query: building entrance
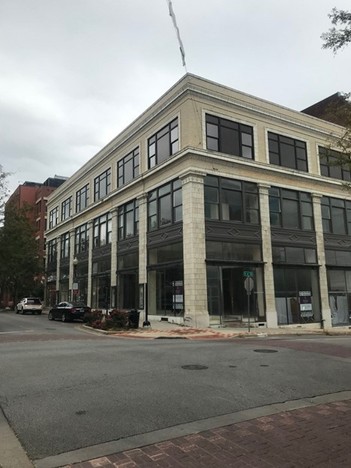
column 227, row 296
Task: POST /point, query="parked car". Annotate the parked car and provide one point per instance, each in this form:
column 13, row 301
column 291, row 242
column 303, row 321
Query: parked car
column 29, row 304
column 67, row 311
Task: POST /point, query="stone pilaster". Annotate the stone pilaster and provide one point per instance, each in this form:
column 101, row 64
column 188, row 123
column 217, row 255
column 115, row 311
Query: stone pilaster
column 71, row 266
column 142, row 203
column 194, row 251
column 90, row 262
column 271, row 312
column 58, row 264
column 323, row 281
column 114, row 239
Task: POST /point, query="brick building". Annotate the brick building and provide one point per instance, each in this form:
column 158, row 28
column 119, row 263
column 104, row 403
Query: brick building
column 209, row 195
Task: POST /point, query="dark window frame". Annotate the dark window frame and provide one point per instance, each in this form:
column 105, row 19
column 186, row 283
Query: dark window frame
column 169, row 134
column 124, row 211
column 215, row 194
column 102, row 230
column 304, row 203
column 156, row 205
column 218, row 131
column 52, row 251
column 102, row 185
column 328, row 168
column 81, row 239
column 66, row 209
column 334, row 210
column 82, row 198
column 65, row 245
column 122, row 165
column 276, row 145
column 53, row 217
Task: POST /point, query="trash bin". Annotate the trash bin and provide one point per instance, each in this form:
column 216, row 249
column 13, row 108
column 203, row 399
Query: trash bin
column 133, row 317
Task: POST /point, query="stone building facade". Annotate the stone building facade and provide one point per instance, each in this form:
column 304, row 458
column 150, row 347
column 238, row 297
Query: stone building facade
column 214, row 207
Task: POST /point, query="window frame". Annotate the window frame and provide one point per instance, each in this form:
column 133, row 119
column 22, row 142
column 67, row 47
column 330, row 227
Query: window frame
column 333, row 206
column 65, row 245
column 279, row 154
column 123, row 212
column 82, row 195
column 133, row 156
column 218, row 139
column 155, row 155
column 102, row 230
column 297, row 197
column 155, row 205
column 81, row 239
column 326, row 166
column 220, row 190
column 53, row 217
column 66, row 208
column 102, row 180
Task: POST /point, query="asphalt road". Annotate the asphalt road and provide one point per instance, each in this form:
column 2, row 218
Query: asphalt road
column 62, row 389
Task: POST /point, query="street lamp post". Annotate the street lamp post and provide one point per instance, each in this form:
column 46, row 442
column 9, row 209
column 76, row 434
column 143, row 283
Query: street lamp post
column 75, row 284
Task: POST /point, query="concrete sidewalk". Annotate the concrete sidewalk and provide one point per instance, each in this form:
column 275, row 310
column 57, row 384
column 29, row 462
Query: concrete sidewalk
column 163, row 329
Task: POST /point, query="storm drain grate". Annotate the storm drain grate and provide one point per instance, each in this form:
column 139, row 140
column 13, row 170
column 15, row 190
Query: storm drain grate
column 194, row 367
column 265, row 351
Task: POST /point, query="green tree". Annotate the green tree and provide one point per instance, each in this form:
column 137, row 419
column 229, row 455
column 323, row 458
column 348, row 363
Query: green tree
column 19, row 261
column 339, row 35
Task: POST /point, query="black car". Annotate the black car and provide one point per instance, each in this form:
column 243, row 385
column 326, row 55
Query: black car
column 68, row 311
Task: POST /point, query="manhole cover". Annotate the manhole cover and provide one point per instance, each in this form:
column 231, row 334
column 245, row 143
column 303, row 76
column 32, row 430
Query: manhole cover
column 265, row 350
column 194, row 367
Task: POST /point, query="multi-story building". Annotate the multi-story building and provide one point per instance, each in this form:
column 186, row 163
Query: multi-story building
column 33, row 197
column 213, row 207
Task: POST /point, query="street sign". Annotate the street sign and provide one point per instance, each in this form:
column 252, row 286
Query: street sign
column 249, row 285
column 248, row 274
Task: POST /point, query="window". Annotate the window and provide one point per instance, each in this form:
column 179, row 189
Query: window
column 66, row 209
column 102, row 230
column 128, row 220
column 287, row 152
column 231, row 200
column 128, row 167
column 294, row 255
column 102, row 185
column 290, row 209
column 82, row 198
column 52, row 251
column 330, row 166
column 336, row 216
column 65, row 245
column 53, row 217
column 165, row 205
column 229, row 137
column 81, row 239
column 163, row 144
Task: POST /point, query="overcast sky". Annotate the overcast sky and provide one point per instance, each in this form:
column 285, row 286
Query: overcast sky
column 74, row 73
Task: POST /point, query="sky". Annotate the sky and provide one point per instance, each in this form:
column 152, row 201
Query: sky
column 75, row 73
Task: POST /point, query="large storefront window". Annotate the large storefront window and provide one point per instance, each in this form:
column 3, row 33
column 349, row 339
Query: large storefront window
column 290, row 209
column 228, row 265
column 336, row 215
column 339, row 283
column 297, row 295
column 127, row 280
column 165, row 280
column 101, row 284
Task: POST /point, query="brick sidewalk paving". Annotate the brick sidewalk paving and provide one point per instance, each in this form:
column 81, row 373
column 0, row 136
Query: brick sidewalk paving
column 316, row 436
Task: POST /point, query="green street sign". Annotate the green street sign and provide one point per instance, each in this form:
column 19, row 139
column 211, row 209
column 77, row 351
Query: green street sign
column 248, row 274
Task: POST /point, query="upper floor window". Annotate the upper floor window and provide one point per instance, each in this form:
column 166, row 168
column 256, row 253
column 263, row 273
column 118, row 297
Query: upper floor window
column 231, row 200
column 53, row 217
column 330, row 164
column 128, row 220
column 102, row 230
column 66, row 209
column 290, row 209
column 165, row 205
column 287, row 152
column 81, row 239
column 128, row 167
column 163, row 144
column 102, row 185
column 82, row 198
column 52, row 251
column 336, row 215
column 65, row 245
column 229, row 137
